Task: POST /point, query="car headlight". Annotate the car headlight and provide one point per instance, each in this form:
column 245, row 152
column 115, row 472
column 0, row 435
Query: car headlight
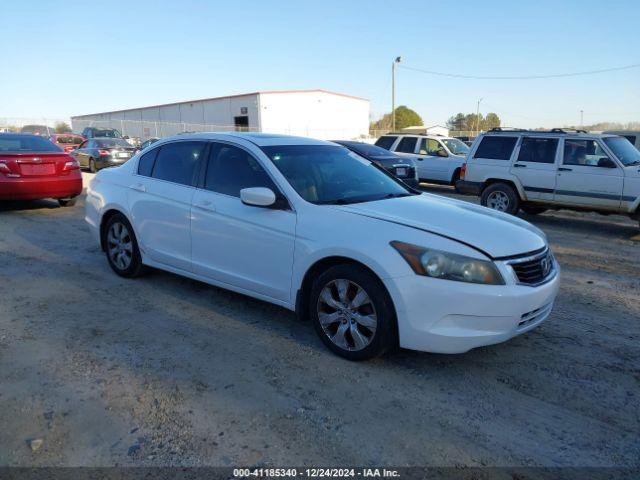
column 448, row 266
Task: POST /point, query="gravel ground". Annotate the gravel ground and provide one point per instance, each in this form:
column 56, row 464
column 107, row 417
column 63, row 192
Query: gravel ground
column 96, row 370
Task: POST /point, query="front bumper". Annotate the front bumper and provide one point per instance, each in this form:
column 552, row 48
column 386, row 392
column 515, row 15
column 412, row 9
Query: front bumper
column 443, row 316
column 468, row 188
column 34, row 188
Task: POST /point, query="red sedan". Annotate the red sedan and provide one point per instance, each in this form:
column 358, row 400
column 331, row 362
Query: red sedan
column 31, row 167
column 67, row 141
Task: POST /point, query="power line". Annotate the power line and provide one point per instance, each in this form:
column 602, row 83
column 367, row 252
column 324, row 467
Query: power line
column 523, row 77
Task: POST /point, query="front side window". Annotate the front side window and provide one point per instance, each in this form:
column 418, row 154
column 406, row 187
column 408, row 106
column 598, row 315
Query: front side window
column 407, row 145
column 386, row 142
column 231, row 169
column 496, row 148
column 624, row 150
column 538, row 150
column 178, row 162
column 432, row 147
column 586, row 153
column 328, row 174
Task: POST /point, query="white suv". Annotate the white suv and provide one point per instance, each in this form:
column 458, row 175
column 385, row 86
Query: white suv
column 438, row 159
column 535, row 171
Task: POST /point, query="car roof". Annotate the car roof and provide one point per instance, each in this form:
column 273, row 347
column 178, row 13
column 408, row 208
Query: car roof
column 547, row 133
column 418, row 135
column 259, row 139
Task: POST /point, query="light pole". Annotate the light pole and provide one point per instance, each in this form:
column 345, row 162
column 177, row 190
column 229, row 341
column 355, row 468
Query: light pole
column 393, row 93
column 581, row 118
column 478, row 117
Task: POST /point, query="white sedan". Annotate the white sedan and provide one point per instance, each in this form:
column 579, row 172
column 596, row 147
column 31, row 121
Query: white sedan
column 315, row 228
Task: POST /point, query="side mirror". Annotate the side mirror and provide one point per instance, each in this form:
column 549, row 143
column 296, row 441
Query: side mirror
column 606, row 162
column 258, row 197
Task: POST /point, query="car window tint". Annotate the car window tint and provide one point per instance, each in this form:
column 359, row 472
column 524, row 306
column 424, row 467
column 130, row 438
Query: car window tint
column 231, row 169
column 385, row 142
column 145, row 164
column 178, row 162
column 496, row 148
column 430, row 146
column 586, row 153
column 407, row 145
column 538, row 150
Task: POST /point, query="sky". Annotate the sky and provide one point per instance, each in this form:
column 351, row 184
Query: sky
column 63, row 58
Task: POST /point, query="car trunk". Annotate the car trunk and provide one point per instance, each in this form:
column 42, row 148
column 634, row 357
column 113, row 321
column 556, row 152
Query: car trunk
column 36, row 164
column 122, row 153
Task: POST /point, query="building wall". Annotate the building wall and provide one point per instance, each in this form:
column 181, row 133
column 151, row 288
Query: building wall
column 314, row 114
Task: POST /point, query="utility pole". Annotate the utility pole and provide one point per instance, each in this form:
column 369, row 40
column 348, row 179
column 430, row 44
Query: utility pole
column 581, row 118
column 393, row 93
column 478, row 117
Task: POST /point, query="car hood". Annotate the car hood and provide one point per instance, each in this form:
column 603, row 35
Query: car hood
column 494, row 233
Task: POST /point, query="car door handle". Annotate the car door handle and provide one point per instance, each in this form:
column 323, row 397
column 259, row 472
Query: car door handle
column 518, row 165
column 564, row 169
column 206, row 205
column 138, row 187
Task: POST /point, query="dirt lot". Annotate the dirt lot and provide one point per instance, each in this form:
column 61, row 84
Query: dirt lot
column 163, row 370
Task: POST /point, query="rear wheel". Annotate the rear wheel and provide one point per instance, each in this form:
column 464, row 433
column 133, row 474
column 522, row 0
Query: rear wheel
column 121, row 247
column 454, row 180
column 532, row 209
column 352, row 312
column 92, row 166
column 67, row 202
column 501, row 197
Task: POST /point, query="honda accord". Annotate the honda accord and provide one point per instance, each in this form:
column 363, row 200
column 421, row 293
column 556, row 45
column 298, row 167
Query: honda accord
column 317, row 229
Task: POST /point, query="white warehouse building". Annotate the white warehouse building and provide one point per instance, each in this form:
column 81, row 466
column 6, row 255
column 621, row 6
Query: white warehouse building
column 311, row 113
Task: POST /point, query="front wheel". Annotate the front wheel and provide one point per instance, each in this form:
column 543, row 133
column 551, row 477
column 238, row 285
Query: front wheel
column 121, row 247
column 501, row 197
column 352, row 312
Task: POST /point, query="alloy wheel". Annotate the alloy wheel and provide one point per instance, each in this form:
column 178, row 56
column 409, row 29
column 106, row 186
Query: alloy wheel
column 498, row 201
column 120, row 245
column 347, row 315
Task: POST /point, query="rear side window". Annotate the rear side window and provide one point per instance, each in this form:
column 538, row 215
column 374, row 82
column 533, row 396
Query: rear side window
column 538, row 150
column 178, row 162
column 145, row 164
column 231, row 169
column 631, row 138
column 385, row 142
column 407, row 145
column 496, row 148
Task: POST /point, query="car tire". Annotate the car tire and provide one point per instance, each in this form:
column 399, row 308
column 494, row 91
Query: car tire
column 121, row 247
column 532, row 209
column 352, row 312
column 92, row 166
column 67, row 202
column 502, row 197
column 455, row 178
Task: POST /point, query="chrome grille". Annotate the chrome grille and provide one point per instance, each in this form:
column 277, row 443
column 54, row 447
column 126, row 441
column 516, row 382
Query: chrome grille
column 534, row 269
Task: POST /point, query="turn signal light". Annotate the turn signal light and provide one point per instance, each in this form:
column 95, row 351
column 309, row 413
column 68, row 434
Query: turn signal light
column 463, row 170
column 104, row 152
column 72, row 165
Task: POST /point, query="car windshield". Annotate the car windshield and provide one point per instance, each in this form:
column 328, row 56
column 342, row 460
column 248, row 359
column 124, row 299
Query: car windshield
column 370, row 150
column 69, row 140
column 107, row 133
column 116, row 142
column 455, row 146
column 326, row 174
column 26, row 143
column 624, row 150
